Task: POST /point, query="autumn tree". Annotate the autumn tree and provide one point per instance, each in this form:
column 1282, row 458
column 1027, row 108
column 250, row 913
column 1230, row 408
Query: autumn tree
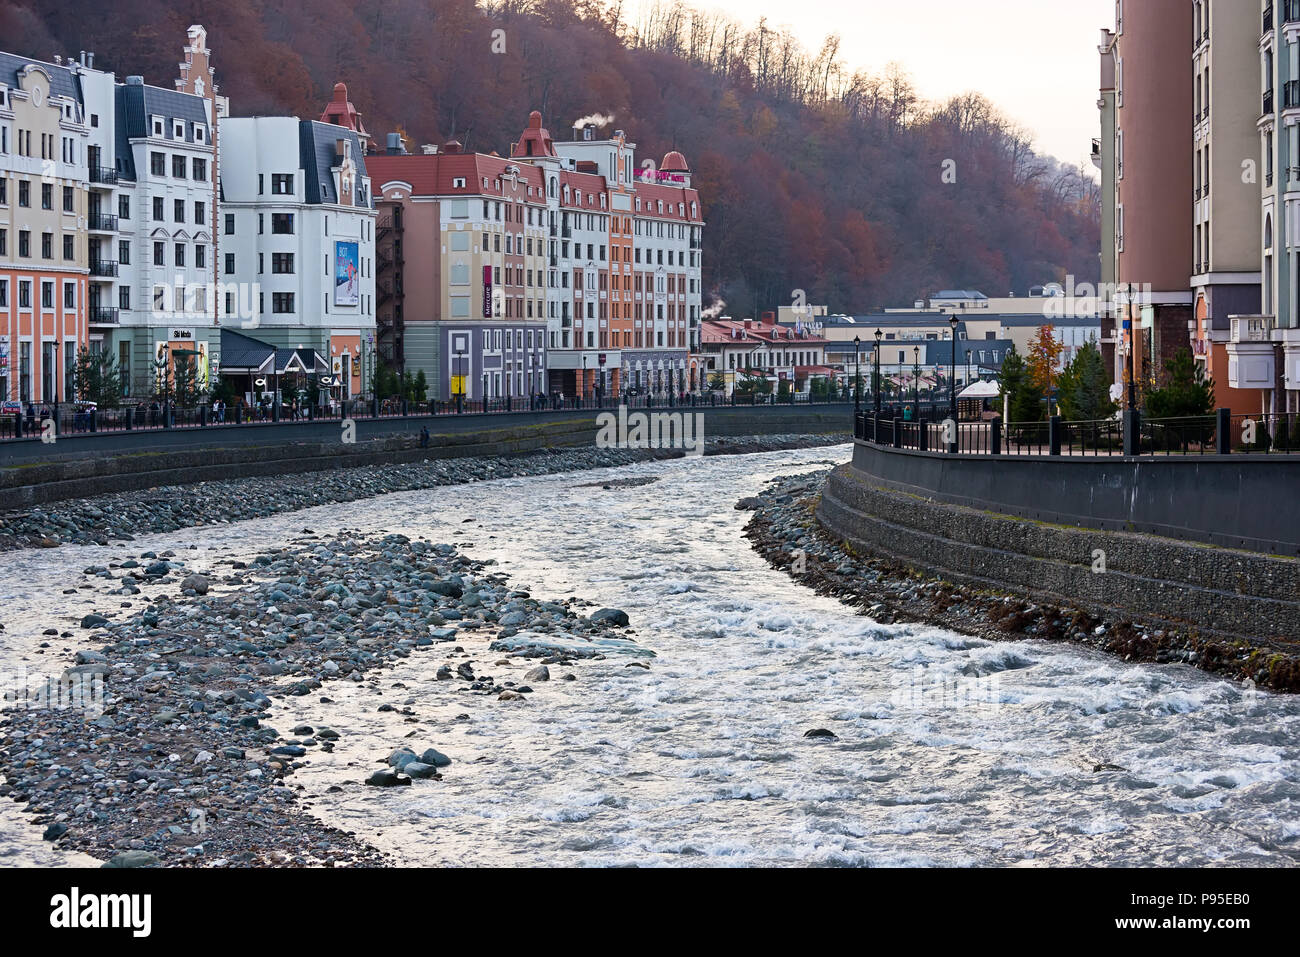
column 1044, row 357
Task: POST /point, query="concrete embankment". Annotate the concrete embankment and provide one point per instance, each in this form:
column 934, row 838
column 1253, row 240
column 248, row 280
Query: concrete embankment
column 1218, row 591
column 32, row 473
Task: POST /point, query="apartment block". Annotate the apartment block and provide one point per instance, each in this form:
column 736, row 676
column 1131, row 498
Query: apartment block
column 44, row 275
column 298, row 247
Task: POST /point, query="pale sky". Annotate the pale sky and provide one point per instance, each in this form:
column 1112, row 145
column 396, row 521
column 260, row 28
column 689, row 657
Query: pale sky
column 1036, row 59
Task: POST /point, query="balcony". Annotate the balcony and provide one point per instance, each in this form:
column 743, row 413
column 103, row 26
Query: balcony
column 103, row 175
column 1291, row 95
column 103, row 267
column 1267, row 27
column 103, row 316
column 1268, row 103
column 100, row 223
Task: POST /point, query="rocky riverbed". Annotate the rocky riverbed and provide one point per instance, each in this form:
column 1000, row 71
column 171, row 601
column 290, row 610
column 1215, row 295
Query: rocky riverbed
column 122, row 516
column 785, row 531
column 180, row 761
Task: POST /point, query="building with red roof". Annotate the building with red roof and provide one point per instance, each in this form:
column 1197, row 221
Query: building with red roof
column 738, row 349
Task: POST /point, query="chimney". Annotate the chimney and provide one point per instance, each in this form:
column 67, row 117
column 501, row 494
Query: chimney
column 586, row 133
column 429, row 149
column 90, row 60
column 576, row 129
column 394, row 144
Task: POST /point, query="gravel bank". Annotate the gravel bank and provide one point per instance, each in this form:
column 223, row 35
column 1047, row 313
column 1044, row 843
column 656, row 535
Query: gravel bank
column 121, row 516
column 784, row 530
column 179, row 763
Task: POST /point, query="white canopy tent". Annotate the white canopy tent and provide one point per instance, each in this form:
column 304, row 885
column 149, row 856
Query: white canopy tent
column 981, row 390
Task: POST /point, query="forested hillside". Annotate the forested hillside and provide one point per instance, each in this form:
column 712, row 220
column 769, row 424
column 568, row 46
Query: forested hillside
column 813, row 176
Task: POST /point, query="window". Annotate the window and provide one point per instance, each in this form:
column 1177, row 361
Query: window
column 282, row 223
column 159, row 254
column 69, row 249
column 69, row 195
column 230, row 224
column 230, row 264
column 178, row 210
column 282, row 184
column 124, row 252
column 178, row 167
column 24, row 243
column 69, row 295
column 200, row 168
column 24, row 294
column 4, row 292
column 200, row 257
column 282, row 302
column 47, row 245
column 158, row 209
column 124, row 206
column 47, row 294
column 158, row 163
column 282, row 263
column 124, row 297
column 47, row 196
column 200, row 213
column 180, row 254
column 24, row 193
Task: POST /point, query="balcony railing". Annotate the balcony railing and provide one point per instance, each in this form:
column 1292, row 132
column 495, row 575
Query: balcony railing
column 103, row 315
column 103, row 267
column 1268, row 103
column 1291, row 95
column 1291, row 11
column 103, row 223
column 103, row 174
column 1267, row 26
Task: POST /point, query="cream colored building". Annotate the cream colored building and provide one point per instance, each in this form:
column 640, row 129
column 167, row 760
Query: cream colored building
column 43, row 266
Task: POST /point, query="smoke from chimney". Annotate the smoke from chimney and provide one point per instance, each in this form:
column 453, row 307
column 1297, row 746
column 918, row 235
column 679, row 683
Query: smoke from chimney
column 714, row 310
column 595, row 119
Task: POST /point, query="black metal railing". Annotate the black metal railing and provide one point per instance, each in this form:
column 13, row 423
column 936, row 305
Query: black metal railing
column 102, row 222
column 103, row 315
column 106, row 175
column 1218, row 434
column 1268, row 103
column 103, row 267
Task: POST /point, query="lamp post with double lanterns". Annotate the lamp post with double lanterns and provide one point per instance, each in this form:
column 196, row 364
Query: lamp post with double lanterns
column 916, row 381
column 952, row 379
column 875, row 384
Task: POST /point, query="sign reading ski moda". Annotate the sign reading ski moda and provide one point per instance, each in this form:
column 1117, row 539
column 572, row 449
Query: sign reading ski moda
column 347, row 284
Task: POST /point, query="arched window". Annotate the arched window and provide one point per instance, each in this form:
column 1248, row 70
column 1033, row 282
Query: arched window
column 1268, row 231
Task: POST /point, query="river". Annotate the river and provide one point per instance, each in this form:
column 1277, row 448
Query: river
column 948, row 751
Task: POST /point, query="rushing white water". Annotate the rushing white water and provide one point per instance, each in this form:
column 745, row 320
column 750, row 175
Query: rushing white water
column 702, row 758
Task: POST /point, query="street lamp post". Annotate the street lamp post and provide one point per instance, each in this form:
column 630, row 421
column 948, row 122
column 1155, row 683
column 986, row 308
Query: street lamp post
column 916, row 381
column 1132, row 352
column 857, row 378
column 875, row 385
column 952, row 379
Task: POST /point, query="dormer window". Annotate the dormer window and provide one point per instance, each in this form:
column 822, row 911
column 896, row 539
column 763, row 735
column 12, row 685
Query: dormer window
column 198, row 134
column 458, row 183
column 157, row 127
column 178, row 130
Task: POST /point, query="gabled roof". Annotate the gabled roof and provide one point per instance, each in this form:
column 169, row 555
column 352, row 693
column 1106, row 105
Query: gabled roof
column 241, row 353
column 307, row 361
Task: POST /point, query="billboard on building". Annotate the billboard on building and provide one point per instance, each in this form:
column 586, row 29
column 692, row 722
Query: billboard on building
column 347, row 275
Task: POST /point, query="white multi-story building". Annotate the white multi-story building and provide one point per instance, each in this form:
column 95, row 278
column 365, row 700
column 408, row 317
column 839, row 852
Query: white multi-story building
column 298, row 234
column 151, row 208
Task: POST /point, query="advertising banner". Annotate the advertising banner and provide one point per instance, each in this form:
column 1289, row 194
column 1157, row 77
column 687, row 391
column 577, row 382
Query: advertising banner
column 347, row 277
